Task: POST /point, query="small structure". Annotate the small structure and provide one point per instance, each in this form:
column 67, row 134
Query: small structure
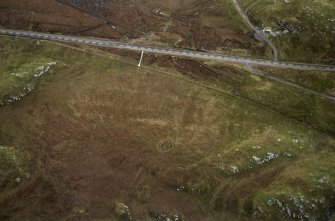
column 139, row 64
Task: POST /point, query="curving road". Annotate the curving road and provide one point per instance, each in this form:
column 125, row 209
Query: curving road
column 258, row 33
column 164, row 51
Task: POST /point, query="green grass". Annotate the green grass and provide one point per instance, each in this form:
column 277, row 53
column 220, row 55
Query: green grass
column 304, row 190
column 21, row 69
column 305, row 107
column 319, row 81
column 313, row 42
column 13, row 165
column 291, row 102
column 20, row 81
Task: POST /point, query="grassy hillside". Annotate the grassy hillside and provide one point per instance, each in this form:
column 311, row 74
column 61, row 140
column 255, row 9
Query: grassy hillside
column 302, row 30
column 99, row 138
column 320, row 81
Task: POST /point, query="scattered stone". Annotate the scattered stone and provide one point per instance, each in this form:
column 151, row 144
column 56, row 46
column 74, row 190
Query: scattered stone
column 287, row 154
column 296, row 206
column 234, row 169
column 122, row 211
column 181, row 188
column 166, row 217
column 38, row 72
column 295, row 141
column 79, row 210
column 268, row 157
column 257, row 159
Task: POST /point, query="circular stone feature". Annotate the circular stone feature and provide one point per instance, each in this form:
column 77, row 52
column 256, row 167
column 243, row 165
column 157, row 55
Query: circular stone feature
column 165, row 146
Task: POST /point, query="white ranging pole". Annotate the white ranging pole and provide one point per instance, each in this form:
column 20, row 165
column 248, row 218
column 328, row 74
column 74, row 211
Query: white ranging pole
column 139, row 64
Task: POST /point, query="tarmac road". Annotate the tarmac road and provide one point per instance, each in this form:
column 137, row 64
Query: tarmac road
column 165, row 51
